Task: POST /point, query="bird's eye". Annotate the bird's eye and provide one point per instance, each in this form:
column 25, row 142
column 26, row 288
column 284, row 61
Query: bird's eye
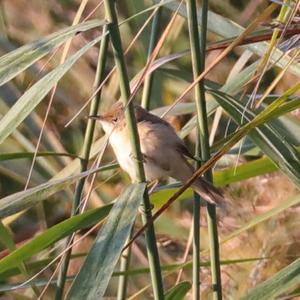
column 114, row 120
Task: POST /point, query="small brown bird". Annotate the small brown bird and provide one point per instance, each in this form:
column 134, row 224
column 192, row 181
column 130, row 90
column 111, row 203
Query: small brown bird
column 164, row 153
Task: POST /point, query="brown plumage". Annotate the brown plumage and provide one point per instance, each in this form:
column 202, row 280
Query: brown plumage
column 164, row 153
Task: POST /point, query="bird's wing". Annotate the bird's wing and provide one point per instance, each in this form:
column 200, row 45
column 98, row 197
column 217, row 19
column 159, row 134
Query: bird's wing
column 157, row 143
column 144, row 117
column 163, row 164
column 184, row 150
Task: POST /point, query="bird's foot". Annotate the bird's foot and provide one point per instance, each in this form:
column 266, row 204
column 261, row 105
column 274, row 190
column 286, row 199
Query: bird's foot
column 152, row 186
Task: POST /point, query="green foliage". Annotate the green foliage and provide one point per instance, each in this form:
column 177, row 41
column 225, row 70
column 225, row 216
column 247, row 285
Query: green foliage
column 93, row 278
column 179, row 291
column 52, row 235
column 16, row 61
column 23, row 200
column 266, row 137
column 32, row 97
column 259, row 147
column 276, row 285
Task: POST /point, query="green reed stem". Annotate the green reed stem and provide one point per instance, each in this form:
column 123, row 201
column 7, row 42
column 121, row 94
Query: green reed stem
column 152, row 43
column 152, row 251
column 203, row 151
column 125, row 259
column 124, row 267
column 85, row 155
column 196, row 64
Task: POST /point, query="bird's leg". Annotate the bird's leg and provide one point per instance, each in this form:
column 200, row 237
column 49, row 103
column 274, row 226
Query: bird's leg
column 198, row 159
column 152, row 185
column 135, row 158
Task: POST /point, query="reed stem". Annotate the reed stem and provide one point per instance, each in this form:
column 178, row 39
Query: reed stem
column 88, row 140
column 152, row 43
column 124, row 266
column 198, row 47
column 152, row 251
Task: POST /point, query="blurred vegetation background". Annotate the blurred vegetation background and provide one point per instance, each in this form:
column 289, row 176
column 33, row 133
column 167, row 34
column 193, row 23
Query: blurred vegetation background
column 260, row 241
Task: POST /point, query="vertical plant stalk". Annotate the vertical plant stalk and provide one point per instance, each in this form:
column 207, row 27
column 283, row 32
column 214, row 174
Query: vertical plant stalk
column 203, row 152
column 211, row 209
column 152, row 251
column 88, row 140
column 152, row 43
column 124, row 266
column 125, row 259
column 199, row 98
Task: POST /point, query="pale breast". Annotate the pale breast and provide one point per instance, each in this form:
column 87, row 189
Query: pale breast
column 122, row 149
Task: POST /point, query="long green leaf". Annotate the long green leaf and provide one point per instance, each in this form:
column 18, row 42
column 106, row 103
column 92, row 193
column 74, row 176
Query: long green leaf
column 33, row 96
column 276, row 285
column 6, row 238
column 37, row 265
column 52, row 235
column 26, row 199
column 265, row 136
column 179, row 291
column 20, row 155
column 14, row 62
column 93, row 278
column 244, row 171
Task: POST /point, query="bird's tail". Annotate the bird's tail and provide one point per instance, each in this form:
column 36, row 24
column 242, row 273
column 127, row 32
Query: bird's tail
column 208, row 192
